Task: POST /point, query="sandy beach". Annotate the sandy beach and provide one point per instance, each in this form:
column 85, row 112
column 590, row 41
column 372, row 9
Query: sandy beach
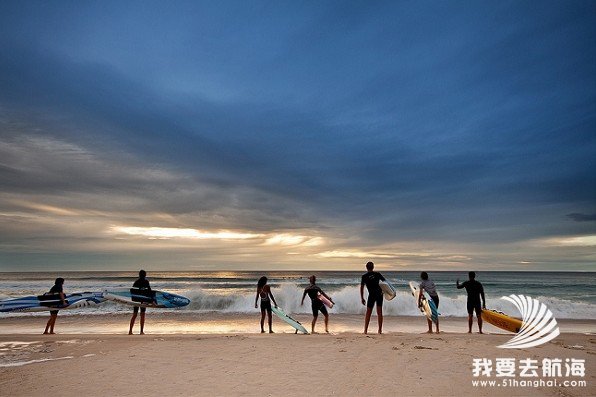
column 342, row 363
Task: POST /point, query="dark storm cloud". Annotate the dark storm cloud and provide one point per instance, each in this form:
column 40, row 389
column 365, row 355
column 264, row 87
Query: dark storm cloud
column 438, row 121
column 582, row 217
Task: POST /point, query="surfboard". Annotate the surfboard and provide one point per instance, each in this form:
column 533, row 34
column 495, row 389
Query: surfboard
column 325, row 301
column 294, row 323
column 427, row 306
column 501, row 320
column 145, row 298
column 51, row 302
column 388, row 290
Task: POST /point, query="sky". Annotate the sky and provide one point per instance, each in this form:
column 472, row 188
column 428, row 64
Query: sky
column 259, row 135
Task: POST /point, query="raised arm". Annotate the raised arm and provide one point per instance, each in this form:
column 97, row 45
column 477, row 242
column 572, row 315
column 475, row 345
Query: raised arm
column 458, row 285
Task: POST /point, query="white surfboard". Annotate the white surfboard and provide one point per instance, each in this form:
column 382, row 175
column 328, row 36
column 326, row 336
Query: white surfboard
column 388, row 290
column 145, row 298
column 427, row 306
column 294, row 323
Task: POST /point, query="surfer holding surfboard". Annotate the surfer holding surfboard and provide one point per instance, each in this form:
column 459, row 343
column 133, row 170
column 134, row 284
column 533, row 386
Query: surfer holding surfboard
column 264, row 292
column 318, row 299
column 142, row 284
column 56, row 290
column 428, row 286
column 375, row 295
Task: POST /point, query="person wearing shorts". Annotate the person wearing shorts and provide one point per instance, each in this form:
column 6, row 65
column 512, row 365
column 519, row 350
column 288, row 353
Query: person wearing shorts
column 313, row 291
column 375, row 295
column 143, row 284
column 427, row 285
column 475, row 292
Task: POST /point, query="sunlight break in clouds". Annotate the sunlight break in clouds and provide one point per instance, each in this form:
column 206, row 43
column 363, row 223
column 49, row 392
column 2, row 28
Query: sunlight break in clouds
column 578, row 241
column 167, row 233
column 171, row 232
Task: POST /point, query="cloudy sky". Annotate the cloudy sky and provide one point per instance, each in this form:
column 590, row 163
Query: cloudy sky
column 297, row 135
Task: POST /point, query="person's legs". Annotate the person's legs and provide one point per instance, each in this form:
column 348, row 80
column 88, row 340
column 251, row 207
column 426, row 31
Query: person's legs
column 327, row 322
column 470, row 307
column 133, row 319
column 367, row 318
column 262, row 321
column 142, row 320
column 380, row 317
column 50, row 324
column 430, row 326
column 479, row 316
column 53, row 318
column 269, row 318
column 314, row 321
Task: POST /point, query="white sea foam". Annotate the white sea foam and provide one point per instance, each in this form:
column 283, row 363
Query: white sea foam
column 41, row 360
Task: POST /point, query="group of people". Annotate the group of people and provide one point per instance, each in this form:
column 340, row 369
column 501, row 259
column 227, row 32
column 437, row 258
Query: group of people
column 476, row 300
column 475, row 303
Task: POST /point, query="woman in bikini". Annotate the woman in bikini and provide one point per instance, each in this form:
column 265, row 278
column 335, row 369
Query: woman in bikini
column 264, row 292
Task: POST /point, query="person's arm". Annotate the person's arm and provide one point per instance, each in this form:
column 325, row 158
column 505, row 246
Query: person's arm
column 362, row 294
column 458, row 285
column 381, row 276
column 303, row 296
column 271, row 295
column 482, row 295
column 256, row 299
column 63, row 298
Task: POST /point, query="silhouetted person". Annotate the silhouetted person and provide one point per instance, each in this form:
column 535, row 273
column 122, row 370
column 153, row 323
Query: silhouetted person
column 55, row 290
column 475, row 291
column 264, row 292
column 375, row 295
column 317, row 305
column 143, row 284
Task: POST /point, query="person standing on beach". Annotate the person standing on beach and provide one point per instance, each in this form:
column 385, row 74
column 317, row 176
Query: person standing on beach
column 475, row 291
column 264, row 292
column 428, row 286
column 313, row 292
column 375, row 295
column 57, row 289
column 143, row 284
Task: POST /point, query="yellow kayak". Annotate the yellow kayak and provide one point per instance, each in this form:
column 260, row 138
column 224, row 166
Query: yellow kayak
column 501, row 320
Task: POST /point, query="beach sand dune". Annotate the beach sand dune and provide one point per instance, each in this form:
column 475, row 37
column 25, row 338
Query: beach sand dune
column 346, row 364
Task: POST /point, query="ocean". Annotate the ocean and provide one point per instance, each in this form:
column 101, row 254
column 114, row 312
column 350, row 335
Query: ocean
column 569, row 295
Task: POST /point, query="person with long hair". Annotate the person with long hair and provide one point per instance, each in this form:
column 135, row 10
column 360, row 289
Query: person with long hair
column 264, row 292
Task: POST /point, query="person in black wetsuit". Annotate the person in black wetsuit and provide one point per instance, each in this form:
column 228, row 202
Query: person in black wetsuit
column 264, row 292
column 313, row 292
column 56, row 289
column 475, row 291
column 141, row 283
column 375, row 295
